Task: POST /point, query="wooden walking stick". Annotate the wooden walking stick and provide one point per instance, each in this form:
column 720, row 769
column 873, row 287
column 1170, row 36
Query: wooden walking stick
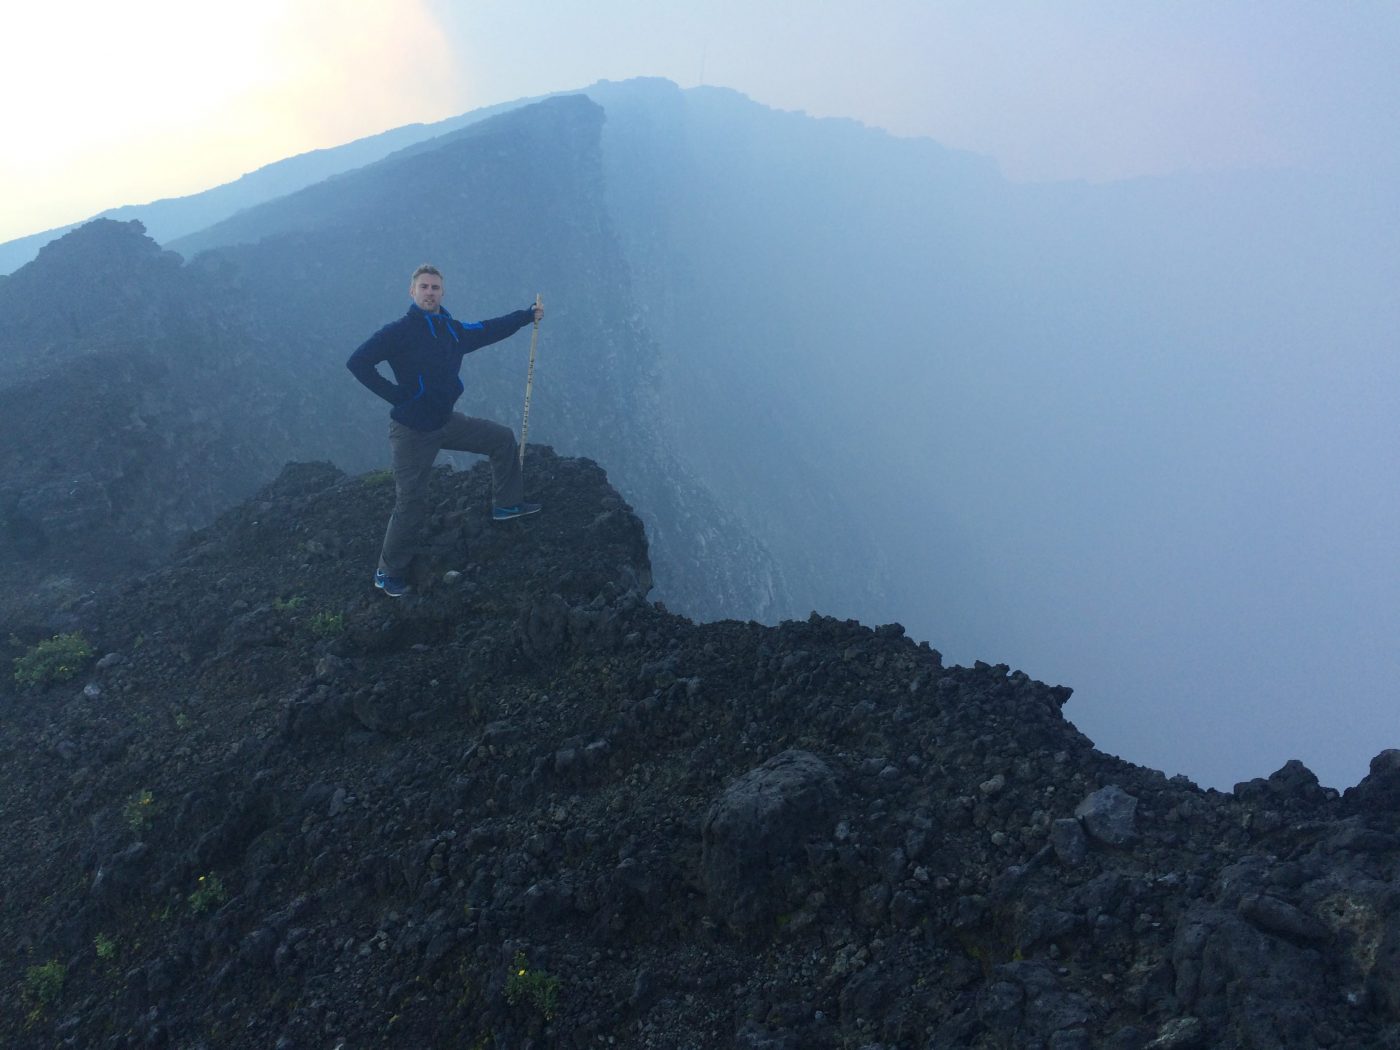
column 529, row 383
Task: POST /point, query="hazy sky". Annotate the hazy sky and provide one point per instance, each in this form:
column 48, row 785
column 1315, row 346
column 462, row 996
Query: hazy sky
column 112, row 104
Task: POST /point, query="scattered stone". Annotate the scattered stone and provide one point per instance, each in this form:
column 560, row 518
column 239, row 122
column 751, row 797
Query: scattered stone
column 1069, row 842
column 1109, row 816
column 1181, row 1033
column 1272, row 915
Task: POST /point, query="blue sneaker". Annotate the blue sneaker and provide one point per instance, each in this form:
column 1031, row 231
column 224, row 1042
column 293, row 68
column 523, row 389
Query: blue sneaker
column 393, row 586
column 517, row 511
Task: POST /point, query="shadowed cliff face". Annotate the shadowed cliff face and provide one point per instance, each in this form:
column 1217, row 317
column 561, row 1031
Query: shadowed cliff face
column 1085, row 429
column 528, row 804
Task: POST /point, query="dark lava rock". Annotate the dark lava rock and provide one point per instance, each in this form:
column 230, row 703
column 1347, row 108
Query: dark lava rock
column 1068, row 839
column 1244, row 983
column 1109, row 816
column 528, row 807
column 753, row 835
column 1379, row 790
column 1293, row 782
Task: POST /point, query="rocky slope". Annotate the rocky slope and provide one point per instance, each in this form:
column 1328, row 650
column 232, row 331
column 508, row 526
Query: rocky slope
column 529, row 808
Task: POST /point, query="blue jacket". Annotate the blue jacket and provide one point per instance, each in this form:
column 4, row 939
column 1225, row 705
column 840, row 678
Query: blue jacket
column 425, row 353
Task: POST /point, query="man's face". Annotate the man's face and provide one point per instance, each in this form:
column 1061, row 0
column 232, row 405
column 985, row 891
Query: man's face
column 426, row 290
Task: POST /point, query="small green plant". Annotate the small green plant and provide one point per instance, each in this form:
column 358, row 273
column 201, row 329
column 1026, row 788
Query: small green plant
column 44, row 984
column 182, row 721
column 208, row 895
column 538, row 988
column 376, row 478
column 55, row 659
column 327, row 624
column 288, row 604
column 105, row 946
column 137, row 810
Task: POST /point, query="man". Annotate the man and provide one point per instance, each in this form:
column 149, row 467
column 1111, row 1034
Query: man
column 424, row 348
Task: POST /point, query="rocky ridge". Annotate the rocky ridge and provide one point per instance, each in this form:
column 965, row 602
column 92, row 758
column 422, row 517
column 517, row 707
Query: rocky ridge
column 527, row 807
column 147, row 394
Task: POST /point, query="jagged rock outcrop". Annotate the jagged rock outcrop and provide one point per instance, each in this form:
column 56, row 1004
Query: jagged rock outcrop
column 527, row 806
column 1379, row 790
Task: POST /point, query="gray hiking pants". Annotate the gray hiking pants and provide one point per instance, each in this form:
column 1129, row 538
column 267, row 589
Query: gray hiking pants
column 413, row 452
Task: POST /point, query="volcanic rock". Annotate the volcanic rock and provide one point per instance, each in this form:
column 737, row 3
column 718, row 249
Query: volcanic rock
column 531, row 807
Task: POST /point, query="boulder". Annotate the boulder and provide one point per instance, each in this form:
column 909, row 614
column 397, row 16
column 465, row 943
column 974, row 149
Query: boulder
column 1379, row 790
column 1109, row 816
column 753, row 835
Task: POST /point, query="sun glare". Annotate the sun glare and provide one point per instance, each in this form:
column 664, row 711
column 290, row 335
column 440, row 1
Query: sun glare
column 161, row 98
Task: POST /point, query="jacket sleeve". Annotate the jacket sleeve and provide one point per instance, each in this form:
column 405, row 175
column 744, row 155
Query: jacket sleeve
column 364, row 362
column 497, row 328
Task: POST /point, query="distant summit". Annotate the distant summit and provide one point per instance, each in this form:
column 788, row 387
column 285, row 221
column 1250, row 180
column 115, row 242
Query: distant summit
column 175, row 217
column 99, row 239
column 103, row 285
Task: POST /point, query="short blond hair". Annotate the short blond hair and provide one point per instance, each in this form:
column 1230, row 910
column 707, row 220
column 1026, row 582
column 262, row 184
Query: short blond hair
column 425, row 268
